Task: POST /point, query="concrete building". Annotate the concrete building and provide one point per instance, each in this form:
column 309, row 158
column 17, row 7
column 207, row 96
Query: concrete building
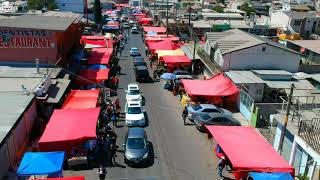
column 304, row 23
column 76, row 6
column 238, row 50
column 47, row 37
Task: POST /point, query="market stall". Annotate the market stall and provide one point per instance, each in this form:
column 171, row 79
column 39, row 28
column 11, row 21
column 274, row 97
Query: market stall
column 69, row 128
column 269, row 176
column 161, row 45
column 41, row 163
column 176, row 52
column 218, row 90
column 248, row 151
column 145, row 21
column 81, row 99
column 155, row 29
column 89, row 76
column 99, row 56
column 176, row 62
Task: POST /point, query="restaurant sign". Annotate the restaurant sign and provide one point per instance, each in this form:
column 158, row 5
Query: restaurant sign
column 25, row 39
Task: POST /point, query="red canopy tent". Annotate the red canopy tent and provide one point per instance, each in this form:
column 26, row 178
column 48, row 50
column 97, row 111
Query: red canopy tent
column 68, row 128
column 216, row 86
column 104, row 43
column 248, row 151
column 100, row 56
column 155, row 29
column 159, row 38
column 161, row 45
column 81, row 99
column 93, row 37
column 66, row 178
column 145, row 21
column 94, row 76
column 141, row 15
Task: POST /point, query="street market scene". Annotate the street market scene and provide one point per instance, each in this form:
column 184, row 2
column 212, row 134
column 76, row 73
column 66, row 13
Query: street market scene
column 155, row 90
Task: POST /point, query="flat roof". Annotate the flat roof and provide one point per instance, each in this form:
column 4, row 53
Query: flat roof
column 53, row 23
column 57, row 90
column 273, row 72
column 27, row 72
column 16, row 84
column 222, row 15
column 244, row 77
column 312, row 45
column 12, row 105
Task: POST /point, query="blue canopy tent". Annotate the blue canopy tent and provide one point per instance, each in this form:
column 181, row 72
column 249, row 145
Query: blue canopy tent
column 97, row 66
column 41, row 163
column 152, row 33
column 106, row 27
column 270, row 176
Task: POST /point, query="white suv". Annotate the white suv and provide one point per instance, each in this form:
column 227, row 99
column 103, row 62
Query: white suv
column 134, row 114
column 133, row 93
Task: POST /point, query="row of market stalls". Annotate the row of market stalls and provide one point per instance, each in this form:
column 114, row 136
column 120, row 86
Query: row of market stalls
column 67, row 139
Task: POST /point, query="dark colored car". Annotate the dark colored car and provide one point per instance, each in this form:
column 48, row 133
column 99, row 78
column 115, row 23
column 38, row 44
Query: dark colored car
column 139, row 61
column 216, row 119
column 136, row 146
column 142, row 73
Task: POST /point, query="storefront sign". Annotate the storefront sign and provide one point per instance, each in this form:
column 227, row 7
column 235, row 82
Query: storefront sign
column 25, row 39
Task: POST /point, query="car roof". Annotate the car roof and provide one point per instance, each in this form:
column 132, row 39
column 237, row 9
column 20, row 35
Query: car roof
column 216, row 115
column 136, row 132
column 134, row 103
column 133, row 85
column 208, row 106
column 141, row 67
column 134, row 48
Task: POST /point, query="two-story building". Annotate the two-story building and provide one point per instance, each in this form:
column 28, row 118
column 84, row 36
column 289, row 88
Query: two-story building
column 237, row 50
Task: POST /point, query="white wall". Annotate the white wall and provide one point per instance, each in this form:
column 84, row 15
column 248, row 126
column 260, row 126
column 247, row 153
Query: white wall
column 279, row 19
column 272, row 58
column 76, row 6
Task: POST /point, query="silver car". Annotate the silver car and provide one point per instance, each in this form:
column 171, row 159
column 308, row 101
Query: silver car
column 136, row 145
column 214, row 119
column 205, row 108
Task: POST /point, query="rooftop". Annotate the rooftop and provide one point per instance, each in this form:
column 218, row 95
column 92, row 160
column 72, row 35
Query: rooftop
column 27, row 72
column 243, row 77
column 312, row 45
column 54, row 23
column 223, row 15
column 232, row 40
column 300, row 15
column 12, row 106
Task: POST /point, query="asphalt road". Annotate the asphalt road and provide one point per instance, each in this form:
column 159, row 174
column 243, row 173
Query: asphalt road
column 180, row 152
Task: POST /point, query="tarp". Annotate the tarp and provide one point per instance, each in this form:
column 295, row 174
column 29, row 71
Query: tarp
column 216, row 86
column 139, row 14
column 68, row 128
column 94, row 76
column 81, row 99
column 100, row 56
column 155, row 29
column 103, row 43
column 160, row 38
column 174, row 60
column 270, row 176
column 177, row 52
column 161, row 45
column 144, row 21
column 66, row 178
column 93, row 37
column 248, row 151
column 41, row 163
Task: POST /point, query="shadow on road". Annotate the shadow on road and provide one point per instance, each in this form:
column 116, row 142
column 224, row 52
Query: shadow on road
column 146, row 119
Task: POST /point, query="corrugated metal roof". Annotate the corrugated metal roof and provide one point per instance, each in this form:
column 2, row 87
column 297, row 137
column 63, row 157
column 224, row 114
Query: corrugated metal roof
column 312, row 45
column 243, row 77
column 54, row 23
column 12, row 105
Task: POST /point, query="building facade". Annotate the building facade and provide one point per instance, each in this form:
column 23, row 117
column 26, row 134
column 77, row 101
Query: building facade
column 76, row 6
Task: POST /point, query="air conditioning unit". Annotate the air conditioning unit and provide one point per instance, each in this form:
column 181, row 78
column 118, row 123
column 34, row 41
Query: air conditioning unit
column 42, row 89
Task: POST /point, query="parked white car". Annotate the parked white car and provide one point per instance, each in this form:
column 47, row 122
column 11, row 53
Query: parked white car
column 134, row 114
column 133, row 93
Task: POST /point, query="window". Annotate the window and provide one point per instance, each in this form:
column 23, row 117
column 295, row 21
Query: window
column 211, row 111
column 297, row 22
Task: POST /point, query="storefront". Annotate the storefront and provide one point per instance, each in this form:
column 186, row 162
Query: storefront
column 26, row 38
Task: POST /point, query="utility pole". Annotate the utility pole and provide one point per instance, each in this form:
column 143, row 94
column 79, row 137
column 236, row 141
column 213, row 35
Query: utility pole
column 86, row 10
column 194, row 51
column 167, row 23
column 284, row 128
column 189, row 14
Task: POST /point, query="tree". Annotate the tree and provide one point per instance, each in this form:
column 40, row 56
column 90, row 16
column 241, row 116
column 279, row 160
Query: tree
column 218, row 9
column 97, row 11
column 246, row 8
column 39, row 4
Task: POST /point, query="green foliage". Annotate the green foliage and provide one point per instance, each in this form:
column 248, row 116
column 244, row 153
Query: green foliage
column 302, row 177
column 39, row 4
column 246, row 8
column 97, row 11
column 218, row 9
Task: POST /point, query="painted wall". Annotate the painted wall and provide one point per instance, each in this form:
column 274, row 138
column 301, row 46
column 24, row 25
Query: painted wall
column 76, row 6
column 4, row 161
column 272, row 58
column 26, row 45
column 279, row 19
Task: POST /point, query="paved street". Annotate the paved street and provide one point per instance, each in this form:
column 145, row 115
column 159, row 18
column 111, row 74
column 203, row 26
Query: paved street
column 180, row 152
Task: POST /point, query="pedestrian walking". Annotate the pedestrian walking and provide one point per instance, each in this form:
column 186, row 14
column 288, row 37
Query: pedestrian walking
column 221, row 166
column 119, row 69
column 184, row 115
column 147, row 50
column 114, row 119
column 116, row 81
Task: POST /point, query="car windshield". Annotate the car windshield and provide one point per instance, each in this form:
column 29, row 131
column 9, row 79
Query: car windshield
column 205, row 117
column 195, row 107
column 134, row 50
column 136, row 143
column 134, row 92
column 134, row 110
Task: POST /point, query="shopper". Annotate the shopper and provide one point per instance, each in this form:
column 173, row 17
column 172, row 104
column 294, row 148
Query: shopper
column 221, row 166
column 184, row 115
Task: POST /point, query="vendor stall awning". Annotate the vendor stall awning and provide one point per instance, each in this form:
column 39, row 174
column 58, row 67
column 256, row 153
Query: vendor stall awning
column 93, row 37
column 176, row 60
column 100, row 56
column 41, row 163
column 92, row 76
column 177, row 52
column 104, row 43
column 271, row 176
column 161, row 45
column 81, row 99
column 248, row 150
column 66, row 178
column 144, row 21
column 155, row 29
column 69, row 128
column 216, row 86
column 159, row 38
